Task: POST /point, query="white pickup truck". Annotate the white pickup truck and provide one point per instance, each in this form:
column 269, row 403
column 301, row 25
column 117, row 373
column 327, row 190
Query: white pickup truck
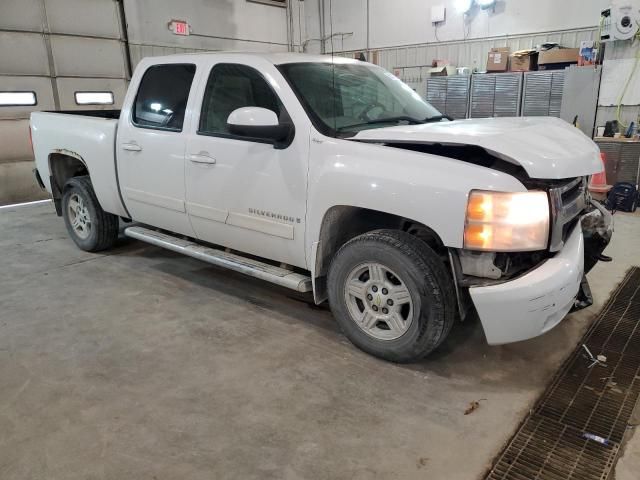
column 333, row 176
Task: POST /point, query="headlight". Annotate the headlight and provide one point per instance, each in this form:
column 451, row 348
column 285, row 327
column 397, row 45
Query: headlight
column 507, row 222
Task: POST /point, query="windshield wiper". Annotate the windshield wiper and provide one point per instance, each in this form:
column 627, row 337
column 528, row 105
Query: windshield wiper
column 437, row 118
column 409, row 120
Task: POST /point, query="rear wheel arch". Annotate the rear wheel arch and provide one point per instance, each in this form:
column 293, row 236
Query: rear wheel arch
column 64, row 165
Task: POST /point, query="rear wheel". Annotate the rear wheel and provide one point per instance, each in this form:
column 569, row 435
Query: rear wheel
column 91, row 228
column 392, row 295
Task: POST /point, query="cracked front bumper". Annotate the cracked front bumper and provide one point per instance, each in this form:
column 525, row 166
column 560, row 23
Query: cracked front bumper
column 535, row 302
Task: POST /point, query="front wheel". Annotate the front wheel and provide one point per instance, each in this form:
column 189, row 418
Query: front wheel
column 391, row 295
column 91, row 228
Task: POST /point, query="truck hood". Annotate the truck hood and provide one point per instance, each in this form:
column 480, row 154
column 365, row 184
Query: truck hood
column 547, row 148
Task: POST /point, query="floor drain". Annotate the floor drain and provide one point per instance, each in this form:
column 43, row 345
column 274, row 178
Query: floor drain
column 577, row 427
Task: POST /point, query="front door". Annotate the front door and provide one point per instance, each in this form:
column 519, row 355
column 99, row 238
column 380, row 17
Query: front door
column 150, row 148
column 241, row 193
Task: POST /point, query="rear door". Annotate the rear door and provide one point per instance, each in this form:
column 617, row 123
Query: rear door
column 150, row 146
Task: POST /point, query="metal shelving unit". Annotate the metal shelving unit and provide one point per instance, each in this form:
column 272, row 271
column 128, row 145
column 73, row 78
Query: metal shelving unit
column 542, row 93
column 495, row 95
column 450, row 95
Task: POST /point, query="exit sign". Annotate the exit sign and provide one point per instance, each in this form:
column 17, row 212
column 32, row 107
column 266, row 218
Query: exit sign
column 179, row 27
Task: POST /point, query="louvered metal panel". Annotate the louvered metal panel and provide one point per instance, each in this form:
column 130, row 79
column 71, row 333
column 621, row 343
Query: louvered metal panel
column 483, row 89
column 437, row 93
column 555, row 101
column 495, row 95
column 628, row 166
column 542, row 93
column 537, row 94
column 611, row 151
column 458, row 96
column 508, row 95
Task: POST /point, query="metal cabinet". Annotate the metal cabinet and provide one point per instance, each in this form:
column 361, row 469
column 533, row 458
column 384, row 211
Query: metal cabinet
column 542, row 93
column 450, row 95
column 622, row 159
column 495, row 95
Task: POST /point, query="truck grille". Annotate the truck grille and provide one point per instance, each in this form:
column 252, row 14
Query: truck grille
column 568, row 201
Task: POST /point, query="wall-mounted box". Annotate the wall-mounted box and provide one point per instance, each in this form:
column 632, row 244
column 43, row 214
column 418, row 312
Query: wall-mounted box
column 438, row 14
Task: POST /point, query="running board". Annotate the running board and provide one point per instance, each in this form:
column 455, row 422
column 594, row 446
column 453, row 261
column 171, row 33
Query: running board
column 220, row 258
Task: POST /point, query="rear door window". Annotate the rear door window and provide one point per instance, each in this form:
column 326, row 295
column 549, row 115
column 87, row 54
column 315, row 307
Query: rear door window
column 162, row 96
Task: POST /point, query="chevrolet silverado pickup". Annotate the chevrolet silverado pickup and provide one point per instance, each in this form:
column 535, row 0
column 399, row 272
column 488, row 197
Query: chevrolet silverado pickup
column 332, row 176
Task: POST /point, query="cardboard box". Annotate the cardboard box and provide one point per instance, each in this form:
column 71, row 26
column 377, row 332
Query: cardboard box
column 559, row 55
column 445, row 71
column 523, row 63
column 498, row 60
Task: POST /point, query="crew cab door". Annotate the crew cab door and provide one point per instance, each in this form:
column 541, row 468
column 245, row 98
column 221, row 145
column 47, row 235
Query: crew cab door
column 150, row 146
column 244, row 193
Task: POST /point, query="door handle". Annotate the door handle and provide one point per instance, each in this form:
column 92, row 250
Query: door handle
column 132, row 147
column 202, row 158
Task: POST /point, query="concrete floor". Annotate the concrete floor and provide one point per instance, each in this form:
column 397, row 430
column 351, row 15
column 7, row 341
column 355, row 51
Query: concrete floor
column 143, row 364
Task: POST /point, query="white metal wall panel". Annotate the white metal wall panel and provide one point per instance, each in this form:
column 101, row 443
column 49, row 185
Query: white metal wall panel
column 94, row 18
column 23, row 54
column 67, row 87
column 21, row 15
column 87, row 57
column 40, row 85
column 473, row 53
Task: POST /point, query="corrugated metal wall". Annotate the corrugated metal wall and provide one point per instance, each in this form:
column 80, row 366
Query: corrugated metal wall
column 53, row 48
column 468, row 53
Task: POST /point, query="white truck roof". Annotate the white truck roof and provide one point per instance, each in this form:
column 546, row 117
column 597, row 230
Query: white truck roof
column 277, row 58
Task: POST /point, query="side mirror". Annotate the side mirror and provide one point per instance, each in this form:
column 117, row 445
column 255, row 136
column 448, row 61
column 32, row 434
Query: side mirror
column 258, row 123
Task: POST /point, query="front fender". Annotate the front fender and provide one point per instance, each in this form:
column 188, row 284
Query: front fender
column 425, row 188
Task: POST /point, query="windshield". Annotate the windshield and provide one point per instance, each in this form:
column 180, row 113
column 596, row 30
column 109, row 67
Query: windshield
column 357, row 97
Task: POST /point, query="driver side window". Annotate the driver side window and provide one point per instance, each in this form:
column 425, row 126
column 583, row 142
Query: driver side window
column 233, row 86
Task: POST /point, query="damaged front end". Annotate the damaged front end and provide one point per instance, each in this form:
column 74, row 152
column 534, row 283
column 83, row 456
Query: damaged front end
column 597, row 230
column 572, row 207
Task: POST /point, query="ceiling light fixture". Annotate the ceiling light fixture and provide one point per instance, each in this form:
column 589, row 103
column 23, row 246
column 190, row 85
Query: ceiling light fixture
column 486, row 3
column 464, row 5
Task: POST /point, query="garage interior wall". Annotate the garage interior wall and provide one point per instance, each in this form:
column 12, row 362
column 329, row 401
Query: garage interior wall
column 215, row 25
column 53, row 48
column 58, row 47
column 400, row 33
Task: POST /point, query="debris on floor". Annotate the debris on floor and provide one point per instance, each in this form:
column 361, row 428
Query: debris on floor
column 473, row 406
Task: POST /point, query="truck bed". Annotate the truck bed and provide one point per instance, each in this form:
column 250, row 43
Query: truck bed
column 85, row 135
column 113, row 114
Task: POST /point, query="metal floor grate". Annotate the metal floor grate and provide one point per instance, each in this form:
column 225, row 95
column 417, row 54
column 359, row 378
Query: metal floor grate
column 598, row 401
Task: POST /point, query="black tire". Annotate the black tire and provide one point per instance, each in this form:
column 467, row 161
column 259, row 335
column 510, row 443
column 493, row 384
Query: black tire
column 103, row 231
column 423, row 274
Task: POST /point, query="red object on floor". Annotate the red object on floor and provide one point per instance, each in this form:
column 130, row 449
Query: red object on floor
column 598, row 182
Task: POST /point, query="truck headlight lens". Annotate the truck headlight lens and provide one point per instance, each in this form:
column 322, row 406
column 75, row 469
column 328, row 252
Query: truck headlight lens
column 507, row 222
